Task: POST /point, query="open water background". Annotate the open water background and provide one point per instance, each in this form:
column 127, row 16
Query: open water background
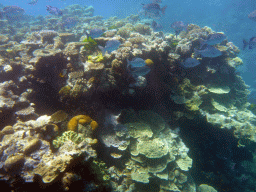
column 229, row 16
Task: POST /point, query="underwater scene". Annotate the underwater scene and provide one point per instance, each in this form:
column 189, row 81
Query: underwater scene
column 128, row 96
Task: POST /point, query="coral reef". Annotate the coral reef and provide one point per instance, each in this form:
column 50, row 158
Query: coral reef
column 52, row 74
column 25, row 152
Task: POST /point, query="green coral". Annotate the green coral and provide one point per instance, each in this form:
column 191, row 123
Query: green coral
column 67, row 136
column 100, row 169
column 90, row 43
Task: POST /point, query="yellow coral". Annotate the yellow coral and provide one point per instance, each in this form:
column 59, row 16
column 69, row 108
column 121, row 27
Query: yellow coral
column 96, row 59
column 94, row 125
column 73, row 123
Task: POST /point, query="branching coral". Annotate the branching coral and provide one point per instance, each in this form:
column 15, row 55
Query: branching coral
column 99, row 168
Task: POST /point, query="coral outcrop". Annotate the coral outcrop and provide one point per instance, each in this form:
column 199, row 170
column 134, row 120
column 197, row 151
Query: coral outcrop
column 156, row 151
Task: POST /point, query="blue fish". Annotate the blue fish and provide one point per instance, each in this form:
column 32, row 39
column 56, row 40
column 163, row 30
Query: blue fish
column 33, row 2
column 208, row 51
column 110, row 46
column 213, row 39
column 179, row 26
column 190, row 62
column 153, row 9
column 53, row 10
column 156, row 26
column 138, row 67
column 156, row 1
column 252, row 16
column 95, row 33
column 251, row 43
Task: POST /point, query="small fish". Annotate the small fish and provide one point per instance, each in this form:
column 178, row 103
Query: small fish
column 213, row 39
column 156, row 1
column 251, row 43
column 110, row 46
column 63, row 73
column 95, row 33
column 53, row 10
column 179, row 26
column 33, row 2
column 252, row 16
column 153, row 9
column 156, row 26
column 138, row 67
column 208, row 51
column 190, row 62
